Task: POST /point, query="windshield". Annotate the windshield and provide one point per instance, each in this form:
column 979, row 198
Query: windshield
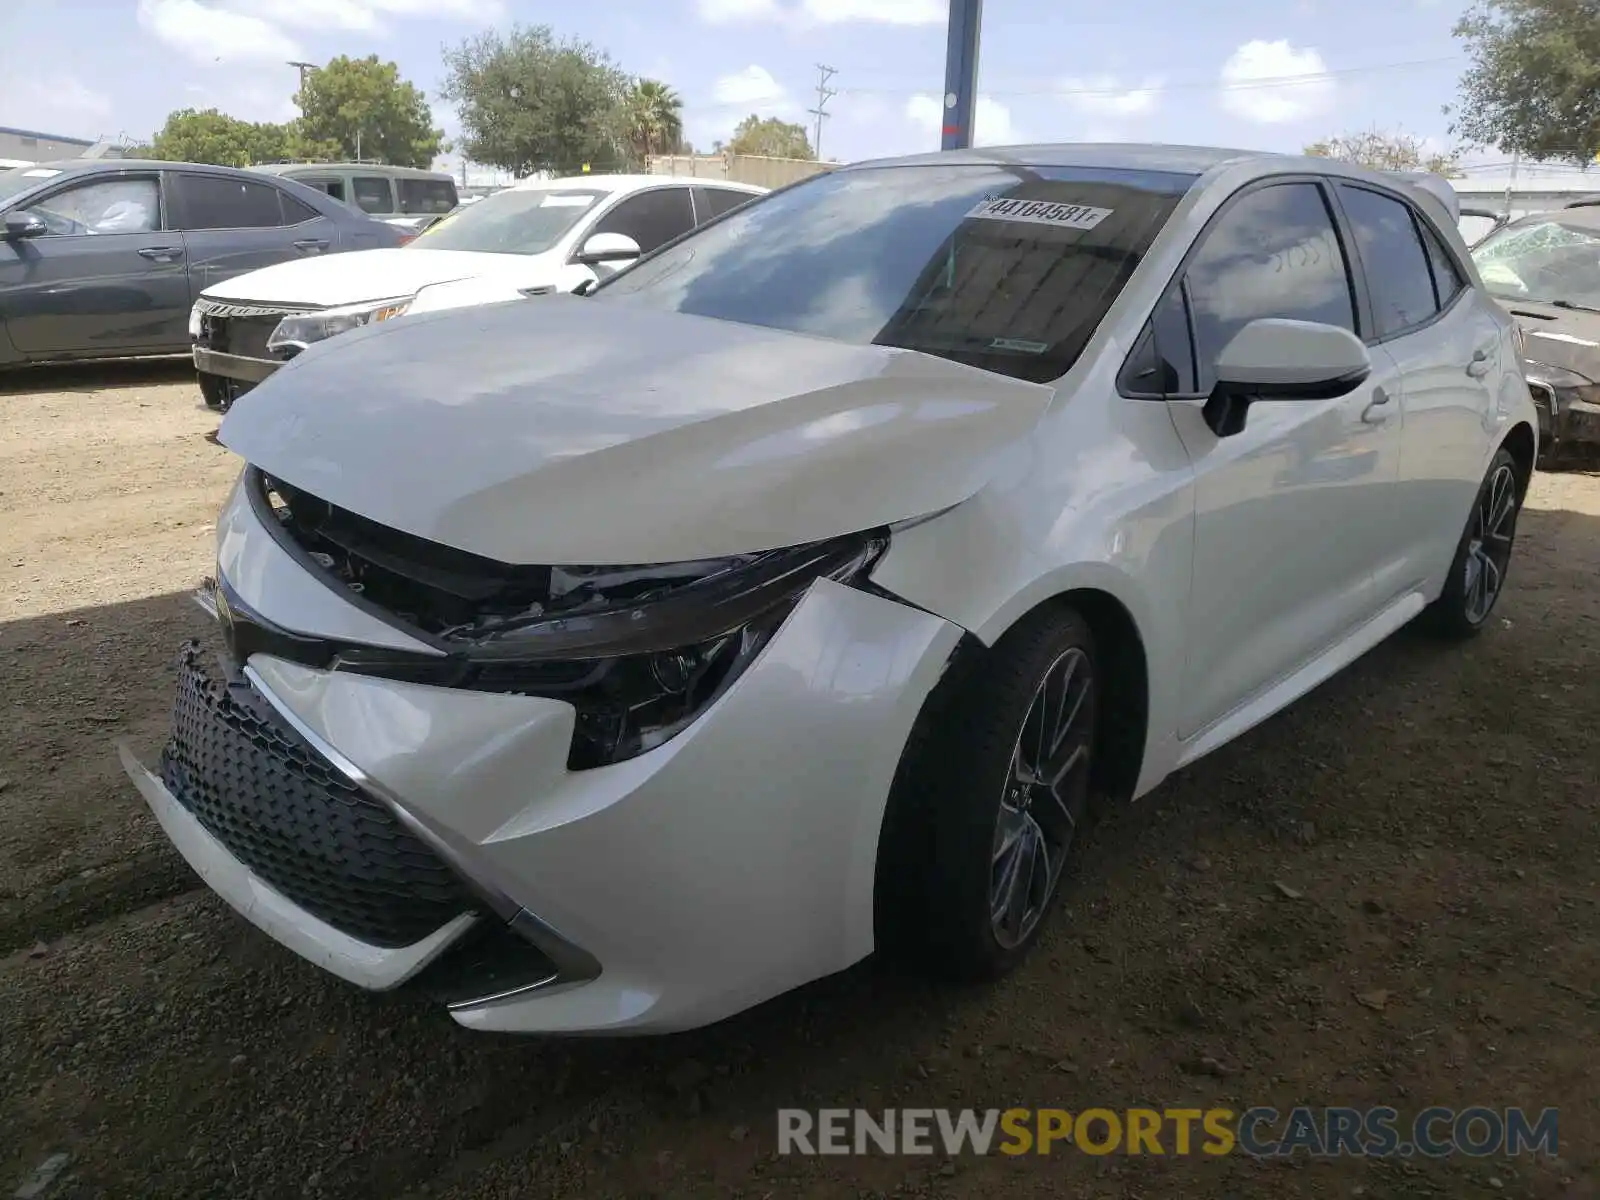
column 1007, row 268
column 1547, row 261
column 516, row 221
column 20, row 179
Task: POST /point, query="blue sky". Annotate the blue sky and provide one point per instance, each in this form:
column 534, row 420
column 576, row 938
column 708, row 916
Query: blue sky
column 1268, row 74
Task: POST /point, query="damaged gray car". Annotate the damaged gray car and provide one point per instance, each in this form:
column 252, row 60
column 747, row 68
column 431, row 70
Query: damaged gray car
column 1545, row 269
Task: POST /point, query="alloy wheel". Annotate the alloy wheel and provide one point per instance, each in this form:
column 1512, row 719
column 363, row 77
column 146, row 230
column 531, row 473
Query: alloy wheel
column 1494, row 521
column 1044, row 800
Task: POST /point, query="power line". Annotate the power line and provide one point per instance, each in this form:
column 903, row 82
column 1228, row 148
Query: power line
column 1198, row 84
column 824, row 94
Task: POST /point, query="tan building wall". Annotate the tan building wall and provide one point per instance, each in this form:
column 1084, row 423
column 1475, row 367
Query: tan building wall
column 738, row 168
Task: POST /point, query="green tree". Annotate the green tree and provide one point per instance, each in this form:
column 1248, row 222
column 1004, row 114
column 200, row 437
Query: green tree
column 360, row 107
column 1533, row 86
column 771, row 137
column 529, row 103
column 655, row 119
column 1387, row 152
column 209, row 136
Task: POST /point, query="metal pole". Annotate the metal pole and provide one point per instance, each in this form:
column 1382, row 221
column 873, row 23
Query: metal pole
column 961, row 74
column 824, row 94
column 303, row 67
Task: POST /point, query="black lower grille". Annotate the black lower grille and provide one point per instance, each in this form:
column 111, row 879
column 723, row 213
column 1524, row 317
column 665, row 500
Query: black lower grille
column 246, row 336
column 294, row 820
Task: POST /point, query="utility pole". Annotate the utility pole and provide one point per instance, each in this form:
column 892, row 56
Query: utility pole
column 961, row 74
column 303, row 68
column 824, row 94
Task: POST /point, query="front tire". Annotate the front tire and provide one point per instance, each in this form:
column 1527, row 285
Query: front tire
column 216, row 391
column 991, row 802
column 1483, row 557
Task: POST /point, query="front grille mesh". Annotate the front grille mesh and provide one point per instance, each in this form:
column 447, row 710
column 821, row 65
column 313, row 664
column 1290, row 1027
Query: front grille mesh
column 246, row 336
column 294, row 820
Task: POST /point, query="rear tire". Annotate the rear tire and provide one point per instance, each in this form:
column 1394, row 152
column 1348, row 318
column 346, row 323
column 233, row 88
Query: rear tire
column 976, row 841
column 1482, row 560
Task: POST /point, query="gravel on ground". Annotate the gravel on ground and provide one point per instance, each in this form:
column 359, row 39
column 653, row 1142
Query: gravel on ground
column 1388, row 894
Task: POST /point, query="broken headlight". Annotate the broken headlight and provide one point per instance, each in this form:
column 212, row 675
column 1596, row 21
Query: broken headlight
column 298, row 331
column 640, row 651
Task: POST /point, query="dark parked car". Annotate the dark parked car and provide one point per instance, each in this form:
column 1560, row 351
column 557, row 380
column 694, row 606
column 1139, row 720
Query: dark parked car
column 103, row 258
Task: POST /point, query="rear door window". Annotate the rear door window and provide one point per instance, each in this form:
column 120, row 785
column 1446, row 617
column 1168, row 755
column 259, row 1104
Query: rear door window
column 1398, row 273
column 224, row 202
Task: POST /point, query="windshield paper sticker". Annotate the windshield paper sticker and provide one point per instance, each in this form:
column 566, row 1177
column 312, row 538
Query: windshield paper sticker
column 559, row 201
column 40, row 173
column 1039, row 212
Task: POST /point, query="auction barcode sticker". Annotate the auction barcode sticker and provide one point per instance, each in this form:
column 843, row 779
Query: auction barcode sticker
column 1039, row 212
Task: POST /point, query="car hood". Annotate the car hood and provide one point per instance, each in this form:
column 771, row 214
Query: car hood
column 584, row 431
column 359, row 275
column 1560, row 337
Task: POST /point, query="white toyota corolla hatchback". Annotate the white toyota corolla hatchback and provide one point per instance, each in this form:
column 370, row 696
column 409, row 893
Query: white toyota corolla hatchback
column 617, row 662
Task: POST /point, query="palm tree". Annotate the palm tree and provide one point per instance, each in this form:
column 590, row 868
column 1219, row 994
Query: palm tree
column 655, row 118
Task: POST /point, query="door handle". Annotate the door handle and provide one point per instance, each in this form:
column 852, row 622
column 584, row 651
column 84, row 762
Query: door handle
column 1370, row 414
column 306, row 244
column 1479, row 366
column 161, row 253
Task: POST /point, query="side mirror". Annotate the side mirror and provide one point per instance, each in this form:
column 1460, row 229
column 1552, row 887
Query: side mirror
column 1279, row 359
column 609, row 248
column 23, row 224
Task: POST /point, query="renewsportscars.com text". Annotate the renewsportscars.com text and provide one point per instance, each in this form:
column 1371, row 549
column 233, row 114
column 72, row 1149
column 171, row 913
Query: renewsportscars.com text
column 1260, row 1132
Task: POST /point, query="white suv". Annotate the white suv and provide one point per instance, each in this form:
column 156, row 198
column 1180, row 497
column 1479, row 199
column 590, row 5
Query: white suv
column 537, row 237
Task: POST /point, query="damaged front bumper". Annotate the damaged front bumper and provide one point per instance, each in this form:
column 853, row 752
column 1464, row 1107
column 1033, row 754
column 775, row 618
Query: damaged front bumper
column 399, row 833
column 1568, row 407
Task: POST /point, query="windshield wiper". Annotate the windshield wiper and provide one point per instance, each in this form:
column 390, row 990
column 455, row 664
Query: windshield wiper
column 1574, row 305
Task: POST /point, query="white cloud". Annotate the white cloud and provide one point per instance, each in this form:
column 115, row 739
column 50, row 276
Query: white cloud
column 241, row 31
column 1104, row 96
column 1273, row 83
column 753, row 86
column 886, row 12
column 733, row 98
column 724, row 12
column 991, row 126
column 209, row 34
column 364, row 16
column 55, row 103
column 824, row 12
column 255, row 95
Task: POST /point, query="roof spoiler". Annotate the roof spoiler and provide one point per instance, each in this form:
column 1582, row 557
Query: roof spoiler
column 1435, row 185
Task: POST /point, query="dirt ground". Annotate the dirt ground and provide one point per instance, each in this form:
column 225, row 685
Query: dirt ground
column 1432, row 816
